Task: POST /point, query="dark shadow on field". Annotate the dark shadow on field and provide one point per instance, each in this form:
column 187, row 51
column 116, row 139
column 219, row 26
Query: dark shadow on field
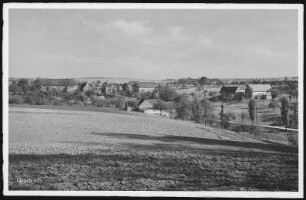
column 127, row 170
column 203, row 141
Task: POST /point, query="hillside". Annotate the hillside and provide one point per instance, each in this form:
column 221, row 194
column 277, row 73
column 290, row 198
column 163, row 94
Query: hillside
column 82, row 150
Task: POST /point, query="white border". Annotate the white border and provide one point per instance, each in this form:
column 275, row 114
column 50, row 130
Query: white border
column 7, row 6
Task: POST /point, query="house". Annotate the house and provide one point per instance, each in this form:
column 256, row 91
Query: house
column 212, row 90
column 147, row 106
column 261, row 89
column 58, row 84
column 113, row 88
column 232, row 89
column 147, row 86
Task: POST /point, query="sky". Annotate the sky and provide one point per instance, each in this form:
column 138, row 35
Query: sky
column 152, row 44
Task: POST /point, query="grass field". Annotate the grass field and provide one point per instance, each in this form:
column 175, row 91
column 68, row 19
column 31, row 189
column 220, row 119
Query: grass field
column 86, row 150
column 265, row 115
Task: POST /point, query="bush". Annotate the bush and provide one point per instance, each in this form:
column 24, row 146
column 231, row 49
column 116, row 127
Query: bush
column 88, row 102
column 56, row 102
column 31, row 100
column 263, row 97
column 100, row 103
column 247, row 128
column 17, row 99
column 214, row 99
column 79, row 103
column 71, row 102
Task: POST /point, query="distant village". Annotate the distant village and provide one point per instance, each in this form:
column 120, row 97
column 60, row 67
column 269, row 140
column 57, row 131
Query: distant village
column 148, row 97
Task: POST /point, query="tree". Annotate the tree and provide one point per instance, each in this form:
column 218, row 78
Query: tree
column 274, row 94
column 273, row 105
column 81, row 86
column 160, row 105
column 221, row 112
column 103, row 88
column 225, row 122
column 208, row 111
column 205, row 92
column 125, row 87
column 37, row 84
column 146, row 95
column 248, row 92
column 285, row 111
column 203, row 81
column 24, row 85
column 136, row 87
column 252, row 110
column 197, row 111
column 166, row 93
column 182, row 106
column 14, row 88
column 243, row 116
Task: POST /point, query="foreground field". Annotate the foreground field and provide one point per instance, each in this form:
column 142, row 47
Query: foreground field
column 80, row 150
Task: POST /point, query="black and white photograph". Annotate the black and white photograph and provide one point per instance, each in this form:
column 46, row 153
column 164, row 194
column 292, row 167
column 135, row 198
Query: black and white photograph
column 140, row 99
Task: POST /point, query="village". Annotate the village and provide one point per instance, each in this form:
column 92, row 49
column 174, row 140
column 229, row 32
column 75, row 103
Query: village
column 165, row 98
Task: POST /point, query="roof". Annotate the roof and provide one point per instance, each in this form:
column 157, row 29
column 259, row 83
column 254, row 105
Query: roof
column 232, row 88
column 260, row 87
column 147, row 103
column 147, row 84
column 185, row 91
column 58, row 82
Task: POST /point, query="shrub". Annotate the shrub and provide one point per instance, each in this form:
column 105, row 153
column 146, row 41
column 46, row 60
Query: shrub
column 273, row 105
column 31, row 100
column 88, row 102
column 100, row 103
column 57, row 102
column 247, row 128
column 71, row 102
column 79, row 103
column 214, row 99
column 17, row 99
column 263, row 97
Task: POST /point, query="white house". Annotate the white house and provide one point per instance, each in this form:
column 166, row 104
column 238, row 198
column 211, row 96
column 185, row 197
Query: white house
column 58, row 84
column 146, row 106
column 261, row 89
column 147, row 86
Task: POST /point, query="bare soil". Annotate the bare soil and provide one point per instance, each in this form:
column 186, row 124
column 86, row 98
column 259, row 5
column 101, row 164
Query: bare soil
column 82, row 150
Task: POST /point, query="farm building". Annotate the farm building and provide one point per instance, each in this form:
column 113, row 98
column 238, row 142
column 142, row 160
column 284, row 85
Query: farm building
column 146, row 106
column 212, row 90
column 232, row 89
column 58, row 84
column 147, row 86
column 261, row 89
column 186, row 91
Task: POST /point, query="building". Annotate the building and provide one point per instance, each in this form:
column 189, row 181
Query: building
column 58, row 84
column 233, row 89
column 147, row 86
column 261, row 89
column 147, row 106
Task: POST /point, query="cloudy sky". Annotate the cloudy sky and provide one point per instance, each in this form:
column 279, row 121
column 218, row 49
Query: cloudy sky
column 152, row 44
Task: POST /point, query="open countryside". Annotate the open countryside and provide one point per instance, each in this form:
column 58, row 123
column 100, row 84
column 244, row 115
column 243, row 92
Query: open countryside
column 107, row 136
column 153, row 99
